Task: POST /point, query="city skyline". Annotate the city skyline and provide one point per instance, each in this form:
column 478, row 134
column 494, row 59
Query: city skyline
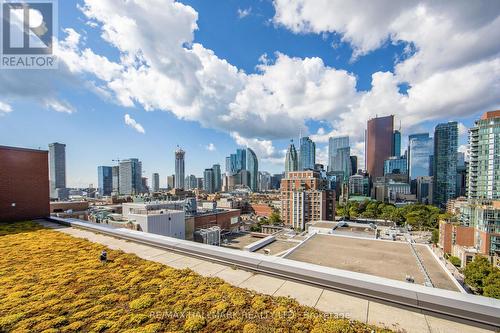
column 356, row 78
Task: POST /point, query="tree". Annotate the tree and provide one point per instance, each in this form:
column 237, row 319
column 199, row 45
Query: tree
column 387, row 212
column 492, row 284
column 455, row 261
column 476, row 273
column 275, row 218
column 435, row 236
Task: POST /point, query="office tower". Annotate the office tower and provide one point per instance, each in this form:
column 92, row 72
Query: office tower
column 291, row 159
column 276, row 181
column 396, row 143
column 307, row 154
column 395, row 165
column 217, row 178
column 252, row 166
column 241, row 159
column 179, row 168
column 170, row 182
column 236, row 162
column 424, row 189
column 116, row 178
column 208, row 181
column 144, row 185
column 484, row 163
column 57, row 168
column 354, row 165
column 243, row 178
column 420, row 148
column 231, row 165
column 462, row 178
column 378, row 144
column 431, row 162
column 305, row 197
column 130, row 176
column 105, row 180
column 200, row 183
column 191, row 182
column 339, row 156
column 155, row 182
column 445, row 162
column 264, row 181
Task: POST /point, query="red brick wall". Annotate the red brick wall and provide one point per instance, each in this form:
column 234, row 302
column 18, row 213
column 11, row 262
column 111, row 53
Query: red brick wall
column 76, row 206
column 464, row 236
column 445, row 230
column 223, row 220
column 24, row 180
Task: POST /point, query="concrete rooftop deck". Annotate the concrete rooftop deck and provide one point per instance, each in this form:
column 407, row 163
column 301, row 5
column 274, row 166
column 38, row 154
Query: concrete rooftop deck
column 388, row 259
column 328, row 301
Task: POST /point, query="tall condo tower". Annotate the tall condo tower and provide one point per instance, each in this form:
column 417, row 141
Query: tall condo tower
column 57, row 168
column 179, row 168
column 307, row 154
column 291, row 160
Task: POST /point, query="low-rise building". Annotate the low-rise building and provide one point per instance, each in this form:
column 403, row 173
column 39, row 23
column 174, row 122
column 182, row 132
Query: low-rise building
column 476, row 232
column 163, row 222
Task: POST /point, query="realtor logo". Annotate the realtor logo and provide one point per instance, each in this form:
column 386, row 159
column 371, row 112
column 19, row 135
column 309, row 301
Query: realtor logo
column 28, row 34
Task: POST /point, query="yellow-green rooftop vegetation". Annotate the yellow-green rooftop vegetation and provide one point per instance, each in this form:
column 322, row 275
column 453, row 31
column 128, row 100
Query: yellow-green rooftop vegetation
column 52, row 282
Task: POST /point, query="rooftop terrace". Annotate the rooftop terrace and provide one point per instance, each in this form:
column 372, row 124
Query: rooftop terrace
column 388, row 259
column 336, row 292
column 50, row 280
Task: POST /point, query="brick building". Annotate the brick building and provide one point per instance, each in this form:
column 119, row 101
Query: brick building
column 24, row 184
column 226, row 219
column 306, row 197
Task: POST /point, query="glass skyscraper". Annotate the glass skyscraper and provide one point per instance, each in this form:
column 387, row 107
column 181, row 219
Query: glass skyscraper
column 241, row 158
column 252, row 166
column 57, row 168
column 130, row 175
column 291, row 160
column 420, row 150
column 105, row 180
column 395, row 165
column 208, row 181
column 307, row 154
column 217, row 178
column 236, row 162
column 445, row 162
column 484, row 164
column 179, row 168
column 339, row 156
column 396, row 144
column 155, row 182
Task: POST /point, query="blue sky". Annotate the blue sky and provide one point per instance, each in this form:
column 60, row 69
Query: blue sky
column 239, row 32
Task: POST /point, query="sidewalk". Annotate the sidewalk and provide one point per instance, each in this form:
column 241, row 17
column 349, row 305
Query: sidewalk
column 324, row 300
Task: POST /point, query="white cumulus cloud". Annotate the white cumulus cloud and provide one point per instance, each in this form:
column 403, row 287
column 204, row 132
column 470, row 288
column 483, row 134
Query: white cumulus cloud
column 59, row 106
column 242, row 13
column 134, row 124
column 4, row 108
column 211, row 147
